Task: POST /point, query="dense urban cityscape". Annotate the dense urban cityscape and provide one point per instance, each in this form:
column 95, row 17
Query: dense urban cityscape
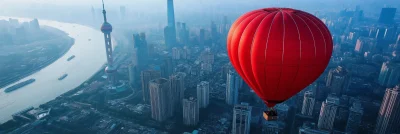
column 179, row 80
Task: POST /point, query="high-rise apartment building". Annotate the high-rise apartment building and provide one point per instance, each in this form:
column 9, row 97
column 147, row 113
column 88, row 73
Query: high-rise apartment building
column 355, row 116
column 241, row 119
column 190, row 111
column 365, row 45
column 203, row 94
column 328, row 112
column 176, row 53
column 162, row 106
column 390, row 74
column 147, row 76
column 167, row 67
column 338, row 80
column 389, row 113
column 177, row 85
column 233, row 83
column 308, row 103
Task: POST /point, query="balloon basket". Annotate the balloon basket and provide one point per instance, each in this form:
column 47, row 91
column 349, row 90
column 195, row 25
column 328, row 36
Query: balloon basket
column 270, row 115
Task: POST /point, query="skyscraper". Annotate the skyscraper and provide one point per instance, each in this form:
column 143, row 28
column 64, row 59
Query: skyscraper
column 132, row 74
column 185, row 53
column 93, row 14
column 388, row 116
column 214, row 32
column 380, row 33
column 147, row 76
column 206, row 67
column 106, row 28
column 328, row 113
column 398, row 40
column 150, row 50
column 140, row 44
column 355, row 116
column 178, row 27
column 233, row 82
column 177, row 86
column 171, row 13
column 308, row 103
column 161, row 103
column 225, row 26
column 122, row 11
column 390, row 74
column 190, row 111
column 225, row 29
column 183, row 68
column 202, row 37
column 176, row 53
column 34, row 25
column 169, row 30
column 241, row 119
column 387, row 15
column 135, row 56
column 184, row 34
column 298, row 100
column 385, row 34
column 166, row 67
column 364, row 45
column 203, row 94
column 339, row 80
column 207, row 56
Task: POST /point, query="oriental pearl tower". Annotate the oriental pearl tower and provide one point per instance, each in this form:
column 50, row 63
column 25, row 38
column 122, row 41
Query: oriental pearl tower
column 106, row 28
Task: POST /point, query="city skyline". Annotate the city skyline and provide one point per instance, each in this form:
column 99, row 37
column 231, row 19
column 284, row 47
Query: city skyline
column 180, row 78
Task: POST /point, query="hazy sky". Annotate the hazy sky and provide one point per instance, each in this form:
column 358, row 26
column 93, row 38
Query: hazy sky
column 139, row 2
column 183, row 8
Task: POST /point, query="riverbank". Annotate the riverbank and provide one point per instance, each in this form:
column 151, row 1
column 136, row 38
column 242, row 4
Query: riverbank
column 89, row 58
column 24, row 60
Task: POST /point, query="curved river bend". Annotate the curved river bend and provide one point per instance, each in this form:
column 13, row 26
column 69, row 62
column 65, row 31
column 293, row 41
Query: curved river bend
column 90, row 57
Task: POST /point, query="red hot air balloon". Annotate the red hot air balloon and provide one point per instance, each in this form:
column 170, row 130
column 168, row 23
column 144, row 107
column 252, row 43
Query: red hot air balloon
column 279, row 51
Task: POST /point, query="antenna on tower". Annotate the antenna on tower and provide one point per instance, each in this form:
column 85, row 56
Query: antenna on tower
column 102, row 1
column 104, row 11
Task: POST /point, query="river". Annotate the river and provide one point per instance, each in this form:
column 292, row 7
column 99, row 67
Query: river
column 90, row 57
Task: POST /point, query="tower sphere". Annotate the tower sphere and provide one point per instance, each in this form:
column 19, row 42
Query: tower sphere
column 106, row 27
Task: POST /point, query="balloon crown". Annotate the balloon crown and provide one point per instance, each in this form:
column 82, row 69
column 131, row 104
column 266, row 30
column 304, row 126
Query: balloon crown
column 274, row 9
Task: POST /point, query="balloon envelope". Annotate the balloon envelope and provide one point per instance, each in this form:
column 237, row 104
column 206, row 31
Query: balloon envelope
column 279, row 51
